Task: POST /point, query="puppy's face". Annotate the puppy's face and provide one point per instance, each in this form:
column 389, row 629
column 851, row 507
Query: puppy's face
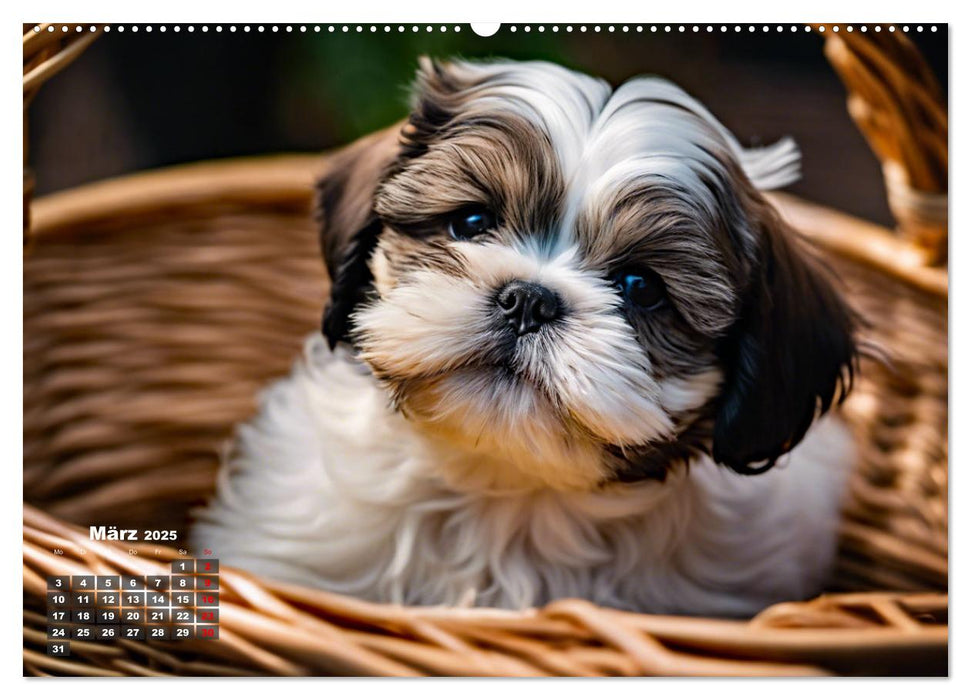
column 583, row 284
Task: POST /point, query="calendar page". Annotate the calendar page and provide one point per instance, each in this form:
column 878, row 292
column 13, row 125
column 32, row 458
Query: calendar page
column 509, row 349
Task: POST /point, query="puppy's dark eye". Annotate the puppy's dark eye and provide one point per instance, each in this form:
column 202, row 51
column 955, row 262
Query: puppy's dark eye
column 469, row 223
column 643, row 289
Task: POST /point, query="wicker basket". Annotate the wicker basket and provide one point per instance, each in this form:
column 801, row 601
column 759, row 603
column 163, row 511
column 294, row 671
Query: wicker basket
column 157, row 305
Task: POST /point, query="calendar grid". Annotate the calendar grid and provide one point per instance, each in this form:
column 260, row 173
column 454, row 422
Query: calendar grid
column 178, row 606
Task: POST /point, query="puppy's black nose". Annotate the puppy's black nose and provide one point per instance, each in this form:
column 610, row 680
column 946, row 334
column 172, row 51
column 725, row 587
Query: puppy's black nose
column 527, row 306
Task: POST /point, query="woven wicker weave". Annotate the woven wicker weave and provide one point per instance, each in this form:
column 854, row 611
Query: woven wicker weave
column 268, row 628
column 896, row 101
column 157, row 305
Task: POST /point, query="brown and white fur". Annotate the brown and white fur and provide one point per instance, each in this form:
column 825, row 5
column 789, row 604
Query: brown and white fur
column 640, row 455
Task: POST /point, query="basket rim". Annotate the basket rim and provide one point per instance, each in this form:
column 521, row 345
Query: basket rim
column 288, row 179
column 273, row 178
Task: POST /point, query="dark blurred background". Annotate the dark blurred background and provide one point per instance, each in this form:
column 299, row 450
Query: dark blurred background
column 141, row 100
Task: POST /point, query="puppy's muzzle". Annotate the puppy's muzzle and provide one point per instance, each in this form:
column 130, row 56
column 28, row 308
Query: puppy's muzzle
column 528, row 306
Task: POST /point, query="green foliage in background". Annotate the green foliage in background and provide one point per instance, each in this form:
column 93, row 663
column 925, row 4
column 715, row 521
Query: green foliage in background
column 358, row 82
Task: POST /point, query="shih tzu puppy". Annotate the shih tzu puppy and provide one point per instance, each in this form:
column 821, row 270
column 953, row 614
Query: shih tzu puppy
column 570, row 351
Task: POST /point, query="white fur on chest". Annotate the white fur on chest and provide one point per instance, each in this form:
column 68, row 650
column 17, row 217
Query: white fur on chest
column 327, row 487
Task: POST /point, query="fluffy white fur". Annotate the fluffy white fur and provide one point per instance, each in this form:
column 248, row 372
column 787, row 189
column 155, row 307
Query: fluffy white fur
column 329, row 488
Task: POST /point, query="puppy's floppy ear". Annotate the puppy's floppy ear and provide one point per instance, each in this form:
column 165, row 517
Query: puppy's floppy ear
column 349, row 229
column 791, row 352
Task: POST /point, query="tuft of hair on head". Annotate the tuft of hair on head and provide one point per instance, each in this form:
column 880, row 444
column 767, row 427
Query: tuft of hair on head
column 435, row 94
